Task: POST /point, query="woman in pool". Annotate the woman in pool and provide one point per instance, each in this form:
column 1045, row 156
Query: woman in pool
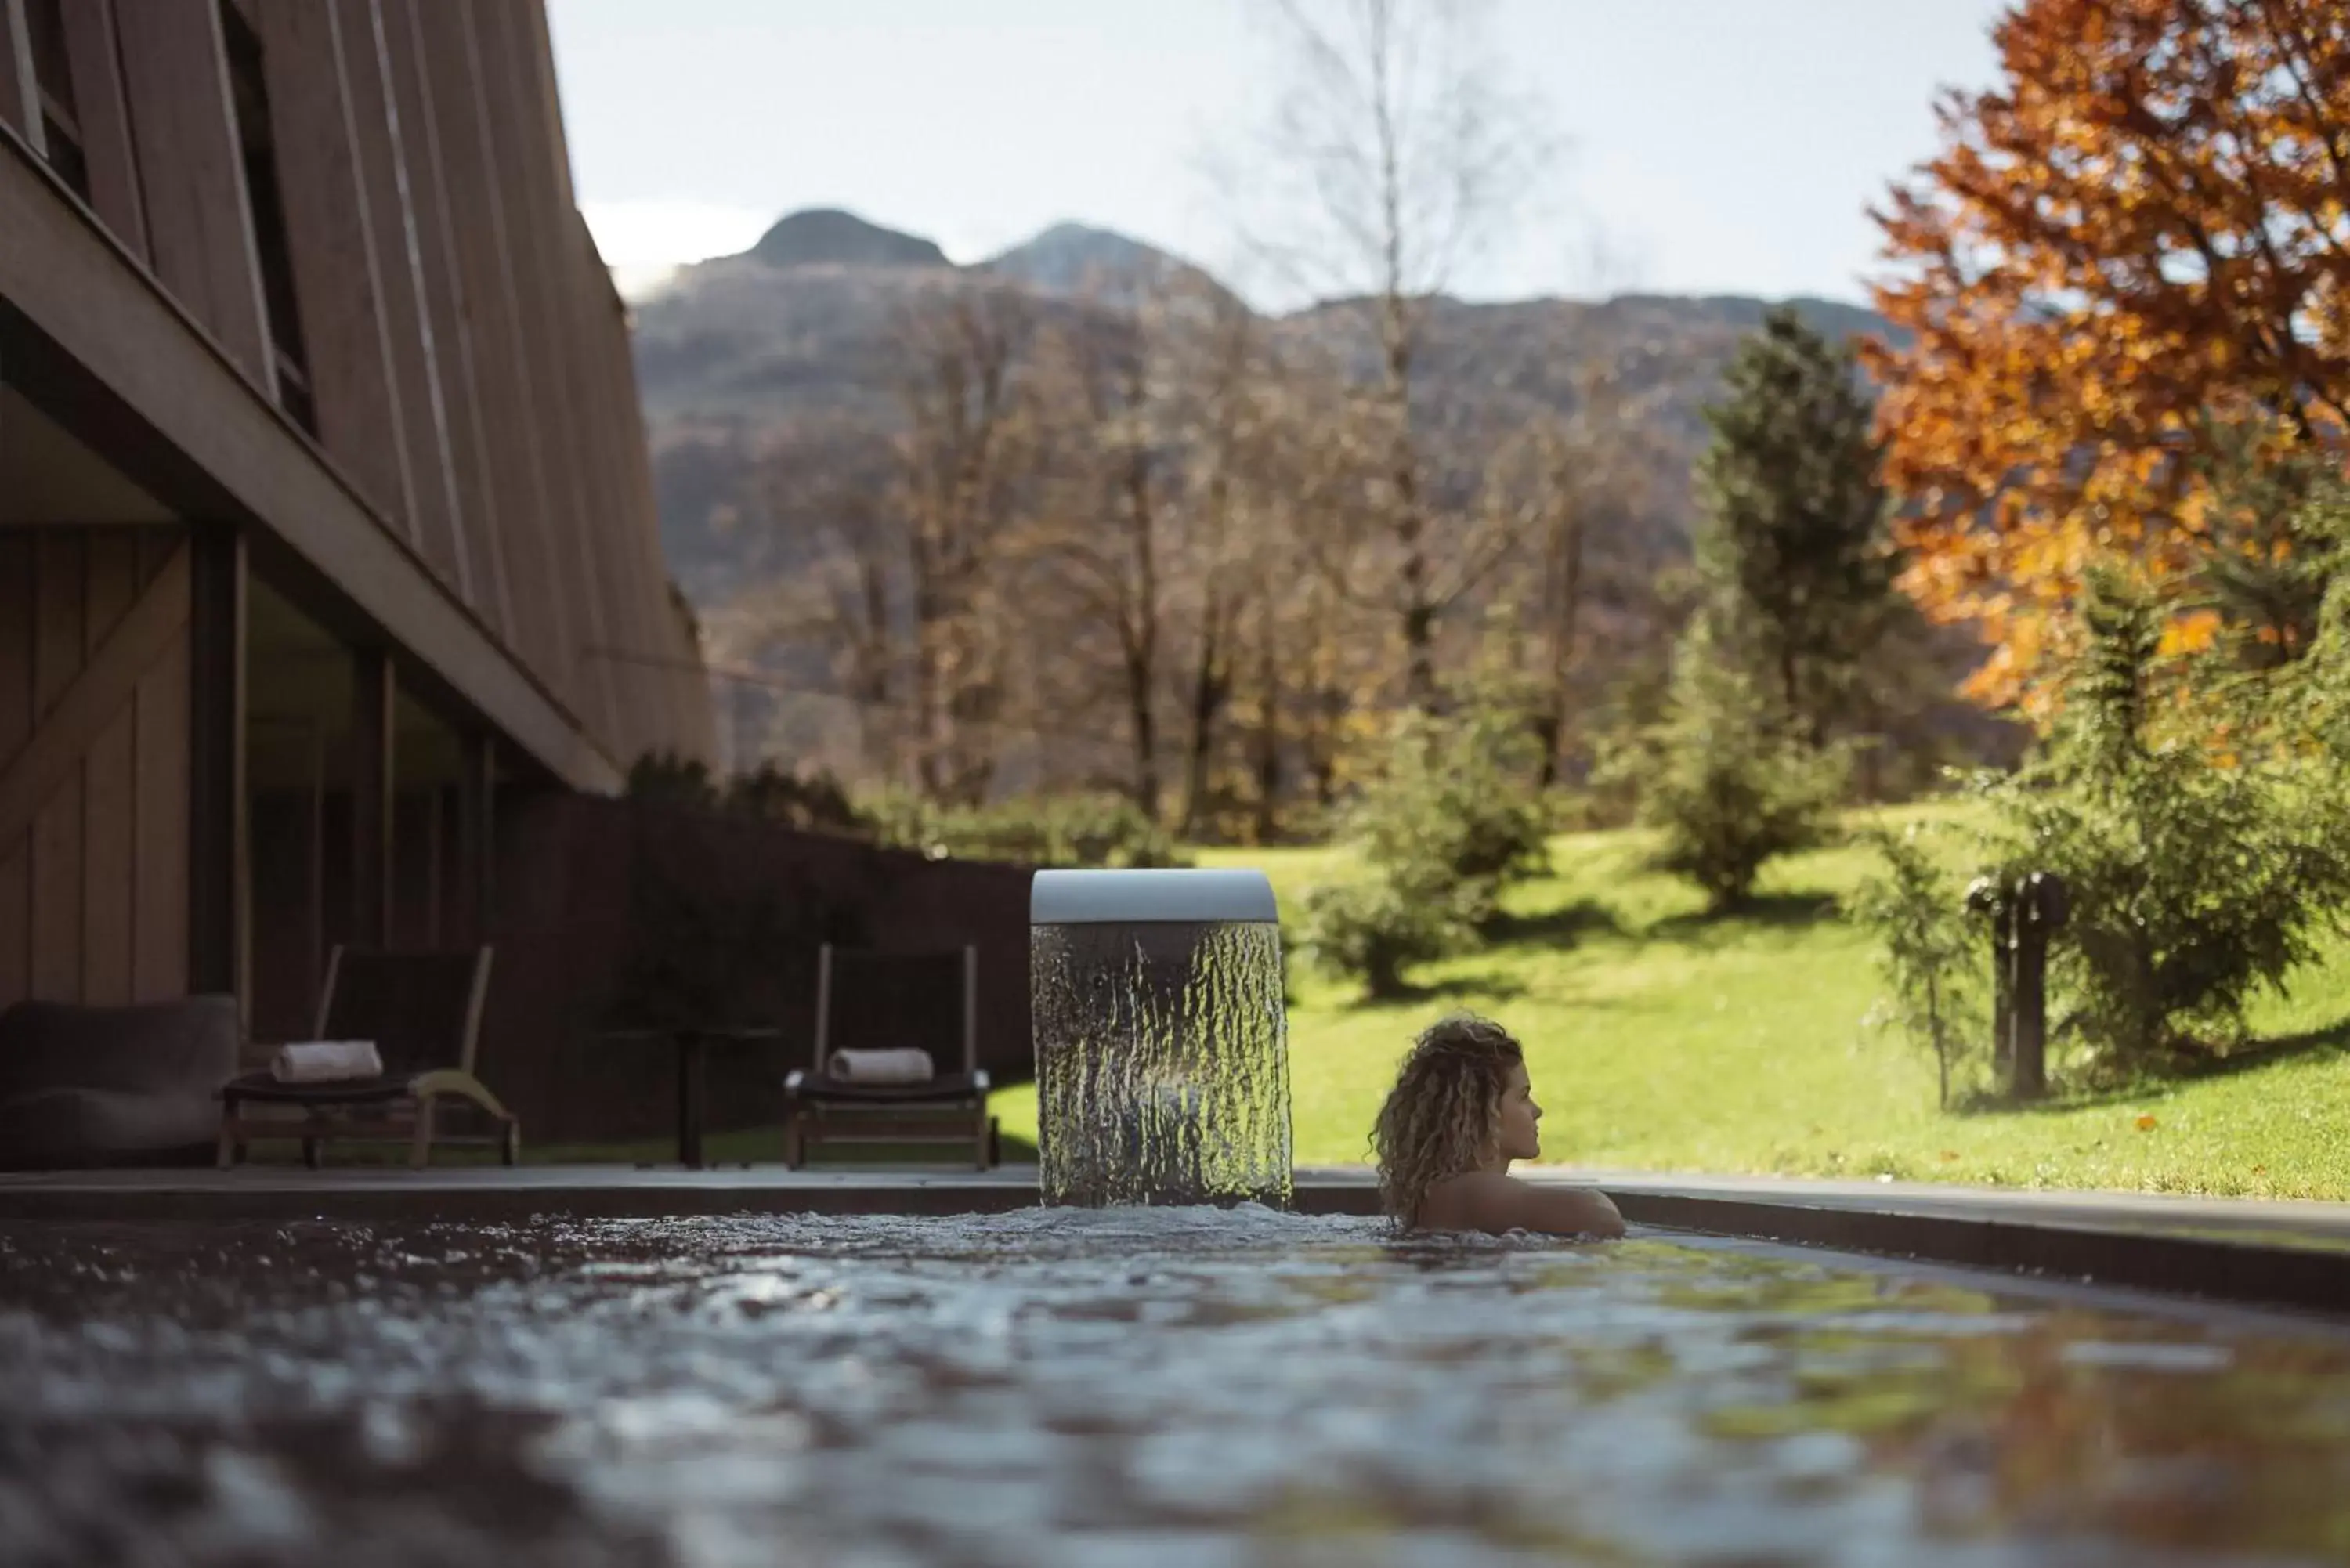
column 1460, row 1111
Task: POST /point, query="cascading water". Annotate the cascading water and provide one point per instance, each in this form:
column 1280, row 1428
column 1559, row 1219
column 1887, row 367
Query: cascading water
column 1163, row 1049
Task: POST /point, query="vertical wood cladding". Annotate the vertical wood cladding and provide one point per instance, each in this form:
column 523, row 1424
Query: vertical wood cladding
column 480, row 175
column 534, row 212
column 417, row 344
column 174, row 60
column 93, row 765
column 20, row 93
column 95, row 57
column 467, row 359
column 417, row 137
column 329, row 228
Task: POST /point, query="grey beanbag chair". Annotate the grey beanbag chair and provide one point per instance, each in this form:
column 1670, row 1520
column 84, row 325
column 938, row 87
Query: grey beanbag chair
column 112, row 1085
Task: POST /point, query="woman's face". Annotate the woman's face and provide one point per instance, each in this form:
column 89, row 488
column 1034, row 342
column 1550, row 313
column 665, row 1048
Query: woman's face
column 1521, row 1132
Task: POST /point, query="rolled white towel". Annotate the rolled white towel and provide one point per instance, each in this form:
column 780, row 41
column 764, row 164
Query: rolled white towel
column 326, row 1062
column 903, row 1066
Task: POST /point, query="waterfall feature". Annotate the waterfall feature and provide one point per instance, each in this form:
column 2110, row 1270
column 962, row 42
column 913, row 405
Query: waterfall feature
column 1162, row 1050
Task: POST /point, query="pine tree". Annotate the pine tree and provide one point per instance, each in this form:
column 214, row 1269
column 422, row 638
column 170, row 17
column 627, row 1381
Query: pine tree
column 2269, row 548
column 2195, row 879
column 1725, row 790
column 1795, row 547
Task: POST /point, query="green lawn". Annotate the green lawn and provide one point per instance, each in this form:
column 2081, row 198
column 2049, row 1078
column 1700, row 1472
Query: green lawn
column 1663, row 1041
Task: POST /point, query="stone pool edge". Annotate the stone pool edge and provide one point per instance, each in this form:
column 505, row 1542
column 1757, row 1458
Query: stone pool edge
column 2263, row 1273
column 2246, row 1253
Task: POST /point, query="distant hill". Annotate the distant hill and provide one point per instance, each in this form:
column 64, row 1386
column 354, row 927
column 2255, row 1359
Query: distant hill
column 1071, row 259
column 825, row 236
column 736, row 350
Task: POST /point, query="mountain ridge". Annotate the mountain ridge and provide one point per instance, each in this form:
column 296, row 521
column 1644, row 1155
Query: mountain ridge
column 835, row 236
column 1061, row 257
column 740, row 352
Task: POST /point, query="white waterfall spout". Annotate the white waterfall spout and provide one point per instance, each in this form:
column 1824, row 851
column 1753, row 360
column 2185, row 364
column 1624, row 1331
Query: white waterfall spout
column 1162, row 1053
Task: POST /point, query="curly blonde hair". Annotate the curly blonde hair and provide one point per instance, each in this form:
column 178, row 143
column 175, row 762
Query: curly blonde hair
column 1444, row 1111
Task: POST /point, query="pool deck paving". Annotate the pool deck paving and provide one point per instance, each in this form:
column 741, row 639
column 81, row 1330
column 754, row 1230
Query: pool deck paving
column 2271, row 1253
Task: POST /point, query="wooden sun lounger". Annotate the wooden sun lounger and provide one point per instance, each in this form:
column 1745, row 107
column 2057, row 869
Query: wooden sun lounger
column 890, row 1000
column 424, row 1011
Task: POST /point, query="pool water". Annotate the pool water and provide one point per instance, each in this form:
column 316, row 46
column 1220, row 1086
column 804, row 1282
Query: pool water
column 1169, row 1387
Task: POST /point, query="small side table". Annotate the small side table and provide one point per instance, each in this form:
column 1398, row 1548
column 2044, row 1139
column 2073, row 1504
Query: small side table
column 692, row 1044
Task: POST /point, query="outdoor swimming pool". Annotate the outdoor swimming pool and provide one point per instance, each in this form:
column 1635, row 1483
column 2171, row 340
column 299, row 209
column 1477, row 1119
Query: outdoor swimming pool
column 1168, row 1387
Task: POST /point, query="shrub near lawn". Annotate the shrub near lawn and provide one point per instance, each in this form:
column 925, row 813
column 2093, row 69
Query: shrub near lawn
column 1455, row 812
column 1450, row 823
column 2197, row 881
column 1375, row 928
column 1724, row 783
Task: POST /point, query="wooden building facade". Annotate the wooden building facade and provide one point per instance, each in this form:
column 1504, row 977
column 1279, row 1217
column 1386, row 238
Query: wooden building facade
column 326, row 514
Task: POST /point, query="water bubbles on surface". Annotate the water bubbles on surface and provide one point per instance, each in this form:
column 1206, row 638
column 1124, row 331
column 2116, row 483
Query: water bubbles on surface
column 2146, row 1356
column 389, row 1435
column 253, row 1503
column 1160, row 1385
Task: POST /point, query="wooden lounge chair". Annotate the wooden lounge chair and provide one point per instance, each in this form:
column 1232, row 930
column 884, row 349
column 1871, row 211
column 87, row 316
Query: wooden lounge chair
column 424, row 1011
column 878, row 1001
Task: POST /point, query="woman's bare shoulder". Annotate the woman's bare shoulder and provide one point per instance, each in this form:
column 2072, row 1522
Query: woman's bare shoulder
column 1496, row 1204
column 1462, row 1202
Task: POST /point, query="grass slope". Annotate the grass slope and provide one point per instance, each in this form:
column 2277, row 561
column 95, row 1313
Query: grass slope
column 1659, row 1040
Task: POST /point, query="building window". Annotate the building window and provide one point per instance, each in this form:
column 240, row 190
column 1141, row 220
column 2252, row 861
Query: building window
column 251, row 88
column 53, row 71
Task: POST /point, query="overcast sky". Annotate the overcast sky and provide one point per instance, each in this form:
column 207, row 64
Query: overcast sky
column 1714, row 146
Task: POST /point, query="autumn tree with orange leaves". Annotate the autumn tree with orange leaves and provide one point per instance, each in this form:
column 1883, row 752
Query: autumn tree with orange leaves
column 2136, row 245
